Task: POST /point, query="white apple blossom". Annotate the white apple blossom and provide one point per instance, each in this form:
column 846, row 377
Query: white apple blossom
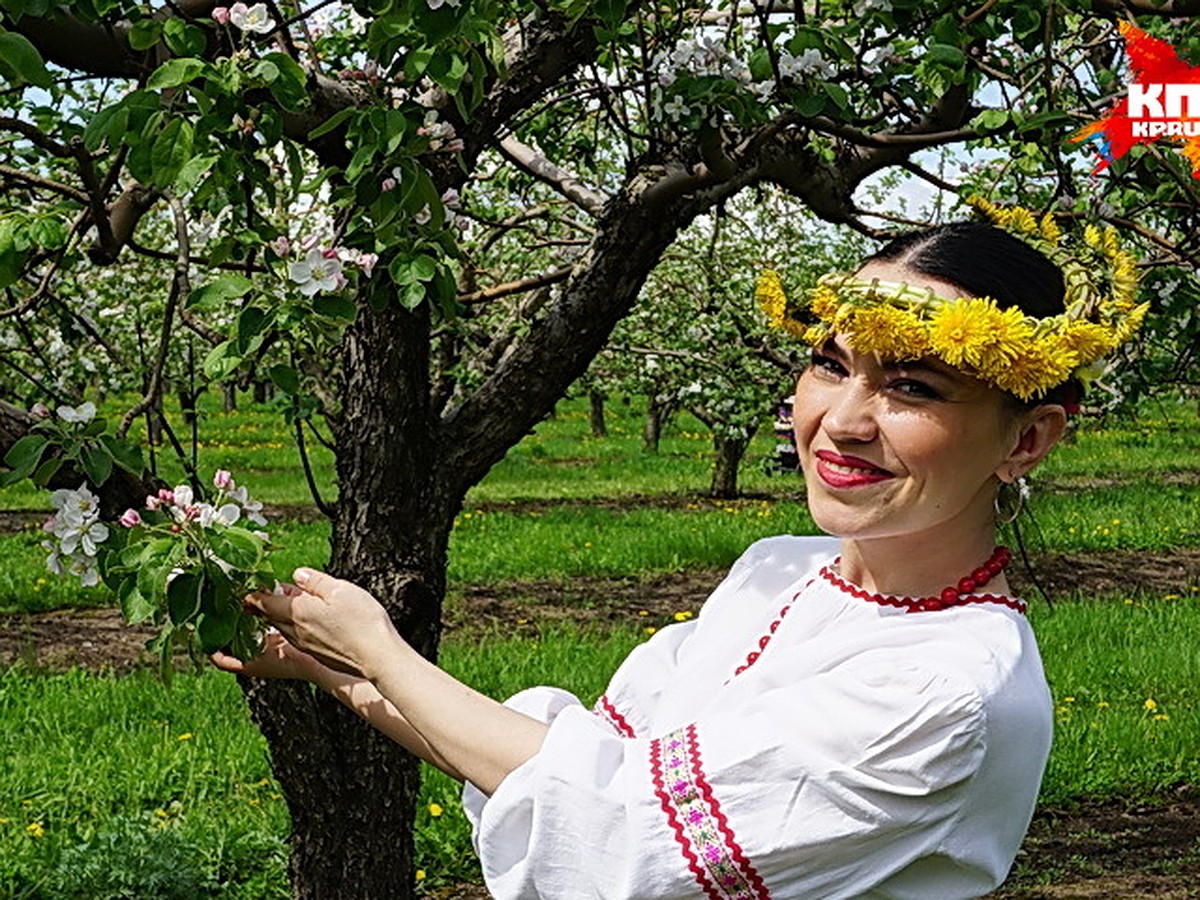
column 251, row 508
column 316, row 272
column 77, row 415
column 438, row 4
column 251, row 18
column 227, row 514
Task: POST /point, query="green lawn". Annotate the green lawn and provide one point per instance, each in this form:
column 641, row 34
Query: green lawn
column 118, row 786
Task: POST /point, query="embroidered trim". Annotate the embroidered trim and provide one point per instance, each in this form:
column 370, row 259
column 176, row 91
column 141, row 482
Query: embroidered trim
column 917, row 605
column 708, row 844
column 605, row 710
column 753, row 655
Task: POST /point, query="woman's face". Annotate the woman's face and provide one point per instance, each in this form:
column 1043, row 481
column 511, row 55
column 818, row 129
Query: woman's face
column 899, row 448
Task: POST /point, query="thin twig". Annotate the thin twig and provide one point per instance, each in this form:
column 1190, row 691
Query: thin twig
column 179, row 288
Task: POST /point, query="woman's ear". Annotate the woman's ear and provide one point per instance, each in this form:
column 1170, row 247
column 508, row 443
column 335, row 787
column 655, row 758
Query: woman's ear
column 1040, row 429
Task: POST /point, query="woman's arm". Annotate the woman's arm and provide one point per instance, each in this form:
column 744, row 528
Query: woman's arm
column 376, row 673
column 280, row 659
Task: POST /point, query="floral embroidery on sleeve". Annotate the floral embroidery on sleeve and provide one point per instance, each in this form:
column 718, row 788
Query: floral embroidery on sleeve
column 701, row 829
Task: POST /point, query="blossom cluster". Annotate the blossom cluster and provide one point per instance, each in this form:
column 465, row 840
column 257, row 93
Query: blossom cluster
column 254, row 18
column 231, row 503
column 322, row 269
column 77, row 532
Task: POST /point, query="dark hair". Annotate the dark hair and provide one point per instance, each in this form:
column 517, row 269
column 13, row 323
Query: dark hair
column 987, row 261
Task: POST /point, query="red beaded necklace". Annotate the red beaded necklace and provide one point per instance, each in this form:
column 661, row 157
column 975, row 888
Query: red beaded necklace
column 951, row 595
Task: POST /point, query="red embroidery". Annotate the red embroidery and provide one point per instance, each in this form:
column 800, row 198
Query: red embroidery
column 605, row 709
column 916, row 605
column 753, row 655
column 702, row 831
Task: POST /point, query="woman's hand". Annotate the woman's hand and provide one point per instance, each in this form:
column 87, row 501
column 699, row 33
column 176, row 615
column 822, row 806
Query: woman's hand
column 335, row 622
column 279, row 659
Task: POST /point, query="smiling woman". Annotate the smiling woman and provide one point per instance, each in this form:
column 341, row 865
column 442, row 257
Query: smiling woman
column 859, row 714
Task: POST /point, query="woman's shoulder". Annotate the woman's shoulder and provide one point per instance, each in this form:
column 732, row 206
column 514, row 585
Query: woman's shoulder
column 787, row 556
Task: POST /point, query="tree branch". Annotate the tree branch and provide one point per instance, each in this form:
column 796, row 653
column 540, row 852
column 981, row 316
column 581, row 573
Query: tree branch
column 537, row 165
column 516, row 287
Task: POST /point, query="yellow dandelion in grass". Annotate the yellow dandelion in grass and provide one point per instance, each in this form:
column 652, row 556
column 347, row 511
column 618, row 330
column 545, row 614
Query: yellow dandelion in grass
column 649, row 629
column 961, row 331
column 1102, row 704
column 186, row 736
column 435, row 810
column 682, row 616
column 892, row 333
column 1150, row 704
column 420, row 875
column 35, row 829
column 1162, row 717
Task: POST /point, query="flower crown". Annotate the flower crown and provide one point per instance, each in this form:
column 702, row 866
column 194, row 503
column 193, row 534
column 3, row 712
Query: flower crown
column 1023, row 355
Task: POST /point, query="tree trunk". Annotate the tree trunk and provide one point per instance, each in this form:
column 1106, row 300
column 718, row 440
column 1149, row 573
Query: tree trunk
column 350, row 790
column 229, row 396
column 596, row 411
column 263, row 391
column 657, row 414
column 729, row 453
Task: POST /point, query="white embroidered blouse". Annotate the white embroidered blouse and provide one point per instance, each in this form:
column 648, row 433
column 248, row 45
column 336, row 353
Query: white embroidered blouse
column 799, row 738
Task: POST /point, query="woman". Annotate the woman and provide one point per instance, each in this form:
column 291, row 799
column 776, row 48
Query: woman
column 861, row 715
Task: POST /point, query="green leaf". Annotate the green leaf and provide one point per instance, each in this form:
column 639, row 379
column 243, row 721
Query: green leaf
column 237, row 546
column 111, row 122
column 290, row 88
column 127, row 456
column 145, row 33
column 250, row 323
column 193, row 170
column 214, row 631
column 335, row 307
column 172, row 148
column 96, row 462
column 221, row 361
column 424, row 268
column 26, row 453
column 184, row 39
column 175, row 72
column 183, row 597
column 20, row 62
column 220, row 291
column 48, row 469
column 286, row 377
column 332, row 122
column 134, row 606
column 946, row 55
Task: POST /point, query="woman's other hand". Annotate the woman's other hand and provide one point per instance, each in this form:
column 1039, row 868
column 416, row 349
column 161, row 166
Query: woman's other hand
column 336, row 622
column 279, row 659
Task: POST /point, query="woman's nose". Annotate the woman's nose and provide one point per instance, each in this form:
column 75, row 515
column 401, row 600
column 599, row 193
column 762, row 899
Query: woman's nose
column 851, row 413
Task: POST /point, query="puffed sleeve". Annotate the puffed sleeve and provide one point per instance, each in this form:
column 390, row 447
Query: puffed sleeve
column 818, row 788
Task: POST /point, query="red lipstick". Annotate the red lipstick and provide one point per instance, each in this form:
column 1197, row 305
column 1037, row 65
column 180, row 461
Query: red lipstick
column 839, row 471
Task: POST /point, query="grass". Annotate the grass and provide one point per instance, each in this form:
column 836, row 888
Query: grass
column 101, row 796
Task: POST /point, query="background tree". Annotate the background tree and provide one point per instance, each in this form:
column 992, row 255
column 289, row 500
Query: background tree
column 576, row 141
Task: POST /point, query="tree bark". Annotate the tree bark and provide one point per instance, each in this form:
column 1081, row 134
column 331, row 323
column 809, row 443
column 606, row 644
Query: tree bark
column 596, row 413
column 351, row 791
column 656, row 417
column 728, row 460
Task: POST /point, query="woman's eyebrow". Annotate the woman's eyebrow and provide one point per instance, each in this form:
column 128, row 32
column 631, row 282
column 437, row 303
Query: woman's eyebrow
column 918, row 365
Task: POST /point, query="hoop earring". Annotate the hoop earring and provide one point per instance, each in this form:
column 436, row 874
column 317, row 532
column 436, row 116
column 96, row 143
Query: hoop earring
column 1021, row 488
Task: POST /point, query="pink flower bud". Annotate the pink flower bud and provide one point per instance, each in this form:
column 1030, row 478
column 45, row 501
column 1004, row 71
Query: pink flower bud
column 130, row 517
column 175, row 529
column 388, row 184
column 166, row 496
column 192, row 512
column 40, row 411
column 220, row 15
column 152, row 502
column 281, row 245
column 366, row 262
column 330, row 253
column 223, row 480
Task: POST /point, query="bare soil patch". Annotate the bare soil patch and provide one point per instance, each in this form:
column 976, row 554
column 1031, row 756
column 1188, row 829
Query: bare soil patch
column 1097, row 850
